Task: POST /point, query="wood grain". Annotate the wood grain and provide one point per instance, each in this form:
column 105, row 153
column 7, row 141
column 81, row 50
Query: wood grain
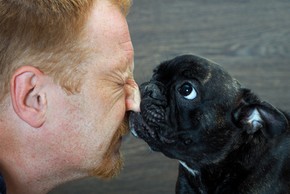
column 251, row 39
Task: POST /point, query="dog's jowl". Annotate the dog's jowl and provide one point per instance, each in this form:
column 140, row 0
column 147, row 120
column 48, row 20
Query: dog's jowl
column 226, row 139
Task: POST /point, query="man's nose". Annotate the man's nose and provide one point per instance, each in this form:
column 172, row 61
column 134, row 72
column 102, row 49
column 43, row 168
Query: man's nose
column 132, row 96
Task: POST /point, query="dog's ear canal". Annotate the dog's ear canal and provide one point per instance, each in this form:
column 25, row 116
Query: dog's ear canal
column 260, row 116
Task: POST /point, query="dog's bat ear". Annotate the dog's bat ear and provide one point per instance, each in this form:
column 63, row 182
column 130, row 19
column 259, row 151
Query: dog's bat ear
column 260, row 116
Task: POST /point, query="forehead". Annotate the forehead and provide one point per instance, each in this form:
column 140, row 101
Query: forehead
column 183, row 67
column 211, row 77
column 123, row 4
column 107, row 35
column 106, row 21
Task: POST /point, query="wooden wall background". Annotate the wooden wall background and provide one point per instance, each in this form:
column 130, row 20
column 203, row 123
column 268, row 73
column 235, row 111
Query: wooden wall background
column 250, row 38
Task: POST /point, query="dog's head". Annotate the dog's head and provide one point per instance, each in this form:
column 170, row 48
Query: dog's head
column 193, row 110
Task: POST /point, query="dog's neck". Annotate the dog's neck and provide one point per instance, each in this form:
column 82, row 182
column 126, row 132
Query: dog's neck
column 235, row 168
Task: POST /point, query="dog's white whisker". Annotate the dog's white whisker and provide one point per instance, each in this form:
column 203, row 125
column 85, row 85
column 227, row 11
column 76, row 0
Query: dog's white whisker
column 193, row 172
column 134, row 132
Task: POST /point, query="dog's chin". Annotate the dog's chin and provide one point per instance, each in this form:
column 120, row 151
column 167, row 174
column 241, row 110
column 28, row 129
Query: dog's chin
column 152, row 132
column 140, row 129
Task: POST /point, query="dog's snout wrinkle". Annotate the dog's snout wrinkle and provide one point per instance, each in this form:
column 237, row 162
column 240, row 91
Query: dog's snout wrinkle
column 153, row 116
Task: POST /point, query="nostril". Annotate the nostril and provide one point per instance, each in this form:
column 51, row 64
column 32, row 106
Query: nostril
column 152, row 90
column 145, row 91
column 156, row 94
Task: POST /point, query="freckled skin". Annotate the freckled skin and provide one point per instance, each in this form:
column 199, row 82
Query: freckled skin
column 108, row 84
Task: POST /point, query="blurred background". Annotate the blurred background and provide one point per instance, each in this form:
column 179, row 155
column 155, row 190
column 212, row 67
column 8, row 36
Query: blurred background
column 249, row 38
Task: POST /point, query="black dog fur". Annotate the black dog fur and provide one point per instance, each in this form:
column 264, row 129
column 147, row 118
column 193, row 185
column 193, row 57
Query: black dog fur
column 227, row 140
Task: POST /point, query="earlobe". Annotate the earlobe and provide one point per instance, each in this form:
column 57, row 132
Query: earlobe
column 29, row 102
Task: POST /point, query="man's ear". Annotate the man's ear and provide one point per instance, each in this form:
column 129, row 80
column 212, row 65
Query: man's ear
column 29, row 101
column 260, row 116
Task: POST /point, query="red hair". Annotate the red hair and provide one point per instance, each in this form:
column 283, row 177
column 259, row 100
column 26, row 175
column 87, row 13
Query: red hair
column 46, row 34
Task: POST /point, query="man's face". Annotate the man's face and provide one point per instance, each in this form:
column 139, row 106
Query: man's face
column 99, row 109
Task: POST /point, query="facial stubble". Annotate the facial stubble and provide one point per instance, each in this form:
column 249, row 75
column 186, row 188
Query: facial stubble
column 113, row 161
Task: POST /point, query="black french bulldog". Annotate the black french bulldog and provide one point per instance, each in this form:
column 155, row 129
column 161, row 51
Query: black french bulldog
column 226, row 139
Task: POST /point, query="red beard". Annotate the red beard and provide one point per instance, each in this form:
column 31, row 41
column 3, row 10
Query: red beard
column 112, row 162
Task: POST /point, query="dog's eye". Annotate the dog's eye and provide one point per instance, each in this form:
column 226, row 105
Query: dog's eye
column 187, row 91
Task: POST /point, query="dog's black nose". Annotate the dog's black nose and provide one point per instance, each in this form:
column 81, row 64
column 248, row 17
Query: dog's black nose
column 153, row 90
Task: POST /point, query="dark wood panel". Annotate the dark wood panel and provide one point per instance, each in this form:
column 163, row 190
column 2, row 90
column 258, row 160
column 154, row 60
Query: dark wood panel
column 251, row 39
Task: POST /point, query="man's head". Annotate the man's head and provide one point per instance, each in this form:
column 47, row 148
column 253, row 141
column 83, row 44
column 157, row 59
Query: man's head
column 48, row 35
column 66, row 88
